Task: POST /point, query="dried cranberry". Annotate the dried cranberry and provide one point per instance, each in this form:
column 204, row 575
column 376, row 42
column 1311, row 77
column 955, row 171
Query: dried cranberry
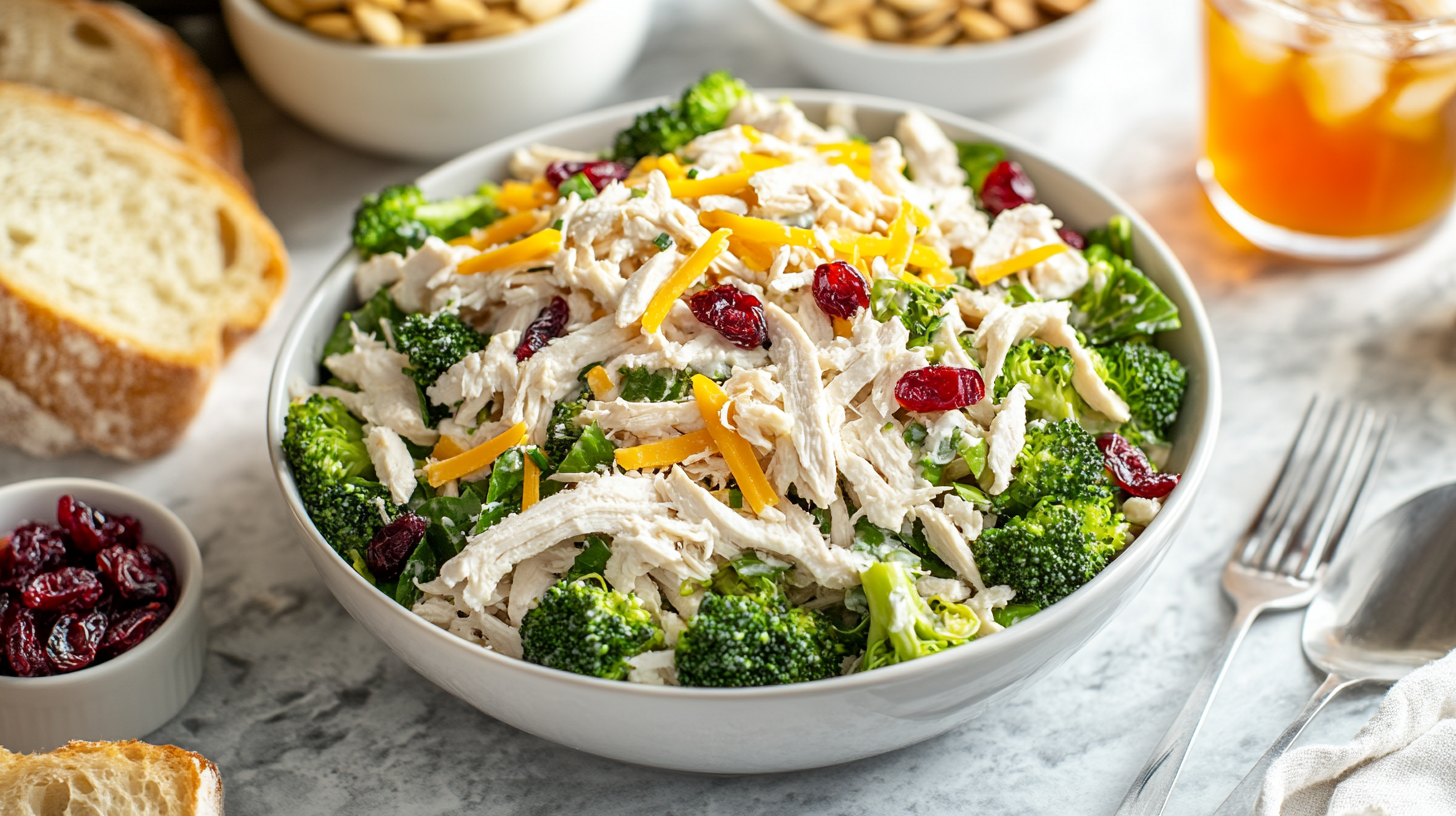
column 91, row 529
column 24, row 643
column 1072, row 238
column 736, row 315
column 132, row 627
column 34, row 548
column 157, row 560
column 1130, row 468
column 599, row 173
column 939, row 388
column 75, row 639
column 840, row 289
column 127, row 570
column 64, row 590
column 392, row 545
column 1007, row 187
column 547, row 326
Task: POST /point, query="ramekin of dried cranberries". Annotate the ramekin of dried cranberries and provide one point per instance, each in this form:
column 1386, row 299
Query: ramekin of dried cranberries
column 101, row 629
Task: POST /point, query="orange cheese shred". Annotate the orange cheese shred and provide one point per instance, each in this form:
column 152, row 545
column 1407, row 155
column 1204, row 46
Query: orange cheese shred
column 759, row 230
column 871, row 246
column 600, row 382
column 902, row 241
column 671, row 168
column 531, row 486
column 989, row 274
column 667, row 452
column 843, row 328
column 476, row 458
column 445, row 449
column 726, row 184
column 677, row 283
column 735, row 449
column 518, row 195
column 537, row 247
column 756, row 256
column 512, row 226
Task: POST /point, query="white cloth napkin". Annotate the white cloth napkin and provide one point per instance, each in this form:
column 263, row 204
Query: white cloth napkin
column 1402, row 763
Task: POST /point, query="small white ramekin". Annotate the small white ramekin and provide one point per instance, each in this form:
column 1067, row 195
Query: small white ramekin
column 134, row 693
column 432, row 102
column 962, row 78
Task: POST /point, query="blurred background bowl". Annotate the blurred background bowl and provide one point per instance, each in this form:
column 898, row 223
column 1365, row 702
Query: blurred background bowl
column 773, row 728
column 134, row 693
column 434, row 101
column 972, row 78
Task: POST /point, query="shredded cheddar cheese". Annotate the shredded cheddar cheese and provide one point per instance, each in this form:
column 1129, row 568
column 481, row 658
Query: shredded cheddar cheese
column 478, row 457
column 537, row 247
column 531, row 485
column 759, row 230
column 691, row 269
column 843, row 328
column 600, row 382
column 671, row 168
column 735, row 449
column 445, row 449
column 989, row 274
column 517, row 195
column 667, row 452
column 512, row 226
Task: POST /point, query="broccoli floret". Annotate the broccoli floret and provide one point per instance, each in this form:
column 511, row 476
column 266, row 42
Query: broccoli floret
column 435, row 342
column 1059, row 460
column 324, row 445
column 706, row 105
column 747, row 634
column 704, row 108
column 399, row 218
column 1149, row 380
column 347, row 514
column 1047, row 372
column 581, row 626
column 1048, row 553
column 904, row 626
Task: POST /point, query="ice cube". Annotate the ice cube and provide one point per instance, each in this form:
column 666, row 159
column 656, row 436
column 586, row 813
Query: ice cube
column 1340, row 85
column 1415, row 112
column 1427, row 9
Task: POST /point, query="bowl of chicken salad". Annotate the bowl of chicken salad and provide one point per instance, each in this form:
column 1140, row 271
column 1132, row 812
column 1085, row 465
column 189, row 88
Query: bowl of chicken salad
column 819, row 422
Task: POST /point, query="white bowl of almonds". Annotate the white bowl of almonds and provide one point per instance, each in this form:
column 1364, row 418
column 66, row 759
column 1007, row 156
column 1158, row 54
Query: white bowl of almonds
column 429, row 79
column 964, row 55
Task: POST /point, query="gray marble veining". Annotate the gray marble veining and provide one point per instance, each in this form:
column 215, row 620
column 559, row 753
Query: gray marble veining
column 306, row 714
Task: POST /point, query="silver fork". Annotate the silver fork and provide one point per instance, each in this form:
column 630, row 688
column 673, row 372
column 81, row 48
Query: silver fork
column 1279, row 563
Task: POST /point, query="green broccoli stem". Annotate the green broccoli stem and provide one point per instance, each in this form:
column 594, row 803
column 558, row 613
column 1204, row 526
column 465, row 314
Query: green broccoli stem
column 902, row 625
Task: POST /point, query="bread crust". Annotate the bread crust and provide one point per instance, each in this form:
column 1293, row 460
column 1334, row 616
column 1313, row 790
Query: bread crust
column 125, row 401
column 203, row 120
column 197, row 779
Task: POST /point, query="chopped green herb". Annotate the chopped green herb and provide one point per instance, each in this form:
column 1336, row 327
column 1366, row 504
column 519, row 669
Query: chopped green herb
column 662, row 242
column 579, row 184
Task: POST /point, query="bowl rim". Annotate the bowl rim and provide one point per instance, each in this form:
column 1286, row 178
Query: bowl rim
column 1161, row 527
column 528, row 37
column 190, row 602
column 1015, row 45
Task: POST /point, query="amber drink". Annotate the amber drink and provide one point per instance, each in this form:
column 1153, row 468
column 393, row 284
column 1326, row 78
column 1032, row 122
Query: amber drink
column 1331, row 129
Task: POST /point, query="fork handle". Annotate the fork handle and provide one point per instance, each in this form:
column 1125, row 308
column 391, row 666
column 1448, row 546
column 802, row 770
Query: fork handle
column 1149, row 792
column 1241, row 802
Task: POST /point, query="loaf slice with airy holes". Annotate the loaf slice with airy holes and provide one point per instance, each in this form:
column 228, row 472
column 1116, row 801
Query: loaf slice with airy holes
column 111, row 778
column 129, row 268
column 112, row 54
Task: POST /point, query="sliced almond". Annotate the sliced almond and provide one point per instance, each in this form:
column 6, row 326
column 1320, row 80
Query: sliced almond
column 1019, row 15
column 541, row 10
column 498, row 24
column 289, row 10
column 336, row 25
column 458, row 12
column 885, row 24
column 378, row 25
column 855, row 28
column 981, row 26
column 395, row 6
column 804, row 7
column 839, row 12
column 928, row 21
column 913, row 7
column 318, row 6
column 412, row 36
column 1061, row 8
column 977, row 4
column 945, row 35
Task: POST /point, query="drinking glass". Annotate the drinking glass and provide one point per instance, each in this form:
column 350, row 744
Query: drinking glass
column 1331, row 130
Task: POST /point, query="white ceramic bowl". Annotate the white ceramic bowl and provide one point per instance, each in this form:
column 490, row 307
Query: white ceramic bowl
column 436, row 101
column 134, row 693
column 777, row 728
column 965, row 78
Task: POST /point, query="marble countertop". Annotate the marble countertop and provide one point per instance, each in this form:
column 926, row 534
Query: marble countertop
column 306, row 713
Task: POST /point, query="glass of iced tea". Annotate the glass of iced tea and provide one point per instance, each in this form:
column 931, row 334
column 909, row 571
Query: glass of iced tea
column 1331, row 130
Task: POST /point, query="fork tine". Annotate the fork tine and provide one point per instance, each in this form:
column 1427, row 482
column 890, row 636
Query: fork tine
column 1315, row 487
column 1302, row 487
column 1296, row 464
column 1354, row 501
column 1315, row 528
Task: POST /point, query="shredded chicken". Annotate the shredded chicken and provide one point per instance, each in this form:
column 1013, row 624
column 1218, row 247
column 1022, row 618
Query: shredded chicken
column 386, row 395
column 1008, row 435
column 392, row 462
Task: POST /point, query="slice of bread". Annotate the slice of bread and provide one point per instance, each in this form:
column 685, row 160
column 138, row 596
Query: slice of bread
column 109, row 779
column 112, row 54
column 129, row 268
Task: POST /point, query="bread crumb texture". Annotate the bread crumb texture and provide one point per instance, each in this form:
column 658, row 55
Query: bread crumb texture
column 109, row 779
